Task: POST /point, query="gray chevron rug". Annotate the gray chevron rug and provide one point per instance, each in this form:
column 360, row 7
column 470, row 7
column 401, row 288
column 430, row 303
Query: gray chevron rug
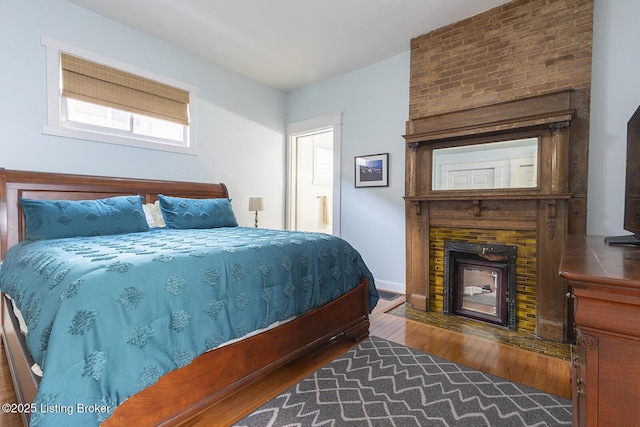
column 381, row 383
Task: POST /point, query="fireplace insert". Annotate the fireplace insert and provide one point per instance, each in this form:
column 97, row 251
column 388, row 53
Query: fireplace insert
column 480, row 282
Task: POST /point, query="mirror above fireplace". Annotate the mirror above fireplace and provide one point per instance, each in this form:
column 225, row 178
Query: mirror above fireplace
column 489, row 165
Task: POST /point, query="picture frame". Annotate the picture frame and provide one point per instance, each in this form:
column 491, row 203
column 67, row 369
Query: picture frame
column 372, row 170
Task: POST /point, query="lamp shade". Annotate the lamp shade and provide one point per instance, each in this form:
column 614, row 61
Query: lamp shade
column 255, row 204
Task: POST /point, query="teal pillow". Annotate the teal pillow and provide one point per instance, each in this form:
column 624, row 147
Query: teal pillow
column 179, row 212
column 52, row 219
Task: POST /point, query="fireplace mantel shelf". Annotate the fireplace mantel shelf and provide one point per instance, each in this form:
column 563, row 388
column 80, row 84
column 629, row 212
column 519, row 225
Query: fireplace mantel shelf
column 556, row 119
column 551, row 110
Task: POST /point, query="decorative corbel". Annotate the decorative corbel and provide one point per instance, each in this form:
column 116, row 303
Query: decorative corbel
column 551, row 218
column 418, row 217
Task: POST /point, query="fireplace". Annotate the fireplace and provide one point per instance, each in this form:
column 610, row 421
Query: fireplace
column 480, row 282
column 498, row 173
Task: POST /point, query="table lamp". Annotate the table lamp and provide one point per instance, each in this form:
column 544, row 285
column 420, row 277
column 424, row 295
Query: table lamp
column 256, row 205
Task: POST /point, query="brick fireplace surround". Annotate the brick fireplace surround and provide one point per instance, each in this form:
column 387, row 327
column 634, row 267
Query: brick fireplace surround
column 519, row 70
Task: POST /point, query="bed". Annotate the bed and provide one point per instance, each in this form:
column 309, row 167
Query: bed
column 220, row 362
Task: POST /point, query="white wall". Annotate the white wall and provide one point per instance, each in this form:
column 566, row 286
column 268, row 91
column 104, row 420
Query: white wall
column 615, row 95
column 375, row 104
column 240, row 131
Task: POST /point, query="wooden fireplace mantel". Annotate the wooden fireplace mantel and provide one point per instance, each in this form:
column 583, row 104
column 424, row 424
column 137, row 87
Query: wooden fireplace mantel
column 546, row 110
column 542, row 210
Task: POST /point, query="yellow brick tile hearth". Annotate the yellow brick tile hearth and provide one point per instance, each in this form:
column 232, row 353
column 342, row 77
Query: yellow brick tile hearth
column 525, row 242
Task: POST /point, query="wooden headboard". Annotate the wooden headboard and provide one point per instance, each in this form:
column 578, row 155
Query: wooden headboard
column 53, row 186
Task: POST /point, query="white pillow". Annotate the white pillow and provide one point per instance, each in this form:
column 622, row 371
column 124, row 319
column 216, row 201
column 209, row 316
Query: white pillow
column 147, row 216
column 155, row 213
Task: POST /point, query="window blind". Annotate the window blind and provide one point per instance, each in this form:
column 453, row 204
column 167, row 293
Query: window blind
column 89, row 81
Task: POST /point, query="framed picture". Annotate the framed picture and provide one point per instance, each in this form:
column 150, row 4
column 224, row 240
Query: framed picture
column 372, row 170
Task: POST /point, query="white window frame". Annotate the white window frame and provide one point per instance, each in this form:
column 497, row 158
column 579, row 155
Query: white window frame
column 55, row 110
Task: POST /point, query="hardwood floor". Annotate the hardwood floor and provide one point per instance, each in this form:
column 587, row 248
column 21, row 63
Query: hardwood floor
column 543, row 372
column 7, row 393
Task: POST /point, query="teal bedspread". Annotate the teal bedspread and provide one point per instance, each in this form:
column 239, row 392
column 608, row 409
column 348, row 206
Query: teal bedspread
column 109, row 315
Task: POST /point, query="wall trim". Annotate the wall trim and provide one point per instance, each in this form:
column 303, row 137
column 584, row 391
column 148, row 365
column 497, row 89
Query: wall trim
column 383, row 285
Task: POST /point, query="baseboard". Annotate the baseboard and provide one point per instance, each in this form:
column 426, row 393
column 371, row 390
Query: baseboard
column 398, row 288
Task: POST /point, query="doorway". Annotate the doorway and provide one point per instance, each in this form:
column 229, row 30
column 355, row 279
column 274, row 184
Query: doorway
column 313, row 175
column 314, row 183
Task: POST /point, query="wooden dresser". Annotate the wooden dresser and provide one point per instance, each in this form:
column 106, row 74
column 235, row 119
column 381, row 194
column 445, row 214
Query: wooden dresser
column 604, row 286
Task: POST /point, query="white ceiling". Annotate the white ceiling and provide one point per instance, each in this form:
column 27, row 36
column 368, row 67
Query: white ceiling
column 289, row 44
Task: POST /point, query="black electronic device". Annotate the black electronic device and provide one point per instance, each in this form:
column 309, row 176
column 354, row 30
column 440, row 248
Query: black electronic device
column 632, row 186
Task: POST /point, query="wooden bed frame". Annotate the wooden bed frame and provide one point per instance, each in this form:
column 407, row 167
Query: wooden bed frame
column 211, row 377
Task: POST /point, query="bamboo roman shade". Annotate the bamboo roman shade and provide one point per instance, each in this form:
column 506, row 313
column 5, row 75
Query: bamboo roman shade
column 99, row 84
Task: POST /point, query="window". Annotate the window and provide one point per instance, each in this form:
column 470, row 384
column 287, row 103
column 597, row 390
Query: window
column 97, row 99
column 323, row 158
column 88, row 116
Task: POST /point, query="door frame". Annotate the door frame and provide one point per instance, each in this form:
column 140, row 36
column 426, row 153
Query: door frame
column 305, row 127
